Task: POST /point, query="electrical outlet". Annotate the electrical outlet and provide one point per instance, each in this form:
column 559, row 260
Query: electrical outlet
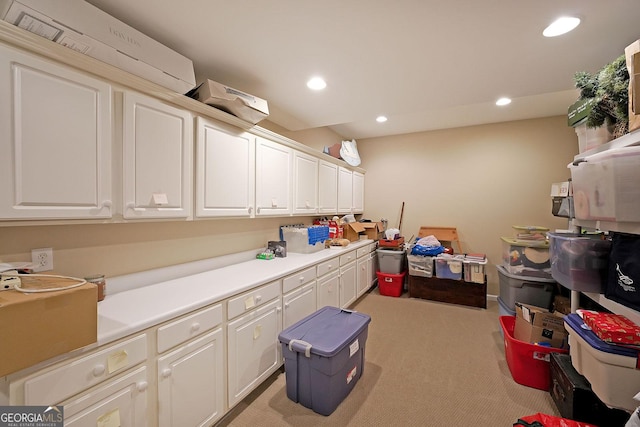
column 42, row 259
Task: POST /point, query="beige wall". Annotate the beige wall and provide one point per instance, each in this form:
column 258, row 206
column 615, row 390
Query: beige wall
column 480, row 179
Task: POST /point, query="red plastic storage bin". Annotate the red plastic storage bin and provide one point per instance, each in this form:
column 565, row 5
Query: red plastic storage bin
column 390, row 285
column 529, row 363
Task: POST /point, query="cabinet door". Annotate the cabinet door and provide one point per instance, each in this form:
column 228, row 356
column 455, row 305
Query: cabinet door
column 273, row 178
column 363, row 274
column 305, row 184
column 253, row 349
column 121, row 402
column 373, row 267
column 329, row 290
column 298, row 304
column 327, row 188
column 157, row 159
column 55, row 141
column 358, row 192
column 191, row 382
column 348, row 293
column 225, row 171
column 345, row 190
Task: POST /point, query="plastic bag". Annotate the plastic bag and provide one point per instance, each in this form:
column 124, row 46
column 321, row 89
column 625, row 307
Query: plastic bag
column 427, row 250
column 544, row 420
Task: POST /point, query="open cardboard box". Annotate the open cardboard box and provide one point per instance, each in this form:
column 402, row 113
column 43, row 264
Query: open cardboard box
column 362, row 230
column 538, row 325
column 225, row 98
column 38, row 326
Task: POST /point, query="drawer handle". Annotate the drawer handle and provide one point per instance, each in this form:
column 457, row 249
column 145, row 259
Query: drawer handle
column 142, row 386
column 286, row 305
column 301, row 279
column 258, row 298
column 166, row 373
column 98, row 370
column 195, row 327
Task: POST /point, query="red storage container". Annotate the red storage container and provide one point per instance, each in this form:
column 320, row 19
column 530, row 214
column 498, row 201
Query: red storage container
column 529, row 363
column 390, row 285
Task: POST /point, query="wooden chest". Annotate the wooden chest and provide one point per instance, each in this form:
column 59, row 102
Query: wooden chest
column 574, row 398
column 448, row 290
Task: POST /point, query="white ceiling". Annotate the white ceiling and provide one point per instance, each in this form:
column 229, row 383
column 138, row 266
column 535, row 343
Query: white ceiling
column 425, row 64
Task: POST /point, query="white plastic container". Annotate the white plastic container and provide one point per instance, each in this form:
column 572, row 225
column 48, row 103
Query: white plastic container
column 449, row 266
column 474, row 270
column 420, row 265
column 611, row 370
column 605, row 185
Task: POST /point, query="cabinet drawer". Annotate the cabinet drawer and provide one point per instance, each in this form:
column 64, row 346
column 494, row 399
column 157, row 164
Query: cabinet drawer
column 77, row 375
column 297, row 279
column 328, row 266
column 188, row 327
column 252, row 299
column 365, row 250
column 347, row 258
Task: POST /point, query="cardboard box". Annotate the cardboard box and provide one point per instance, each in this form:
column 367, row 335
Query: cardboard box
column 352, row 230
column 84, row 28
column 38, row 326
column 579, row 111
column 632, row 57
column 240, row 104
column 373, row 230
column 538, row 325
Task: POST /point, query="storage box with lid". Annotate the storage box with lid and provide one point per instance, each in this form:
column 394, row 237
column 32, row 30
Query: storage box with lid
column 528, row 363
column 390, row 260
column 572, row 394
column 305, row 240
column 324, row 357
column 84, row 28
column 579, row 261
column 391, row 285
column 605, row 185
column 420, row 265
column 529, row 258
column 233, row 101
column 532, row 290
column 449, row 266
column 612, row 370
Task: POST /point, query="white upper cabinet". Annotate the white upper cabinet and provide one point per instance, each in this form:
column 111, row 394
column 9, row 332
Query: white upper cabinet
column 55, row 141
column 157, row 159
column 345, row 190
column 225, row 171
column 305, row 184
column 273, row 178
column 327, row 188
column 358, row 192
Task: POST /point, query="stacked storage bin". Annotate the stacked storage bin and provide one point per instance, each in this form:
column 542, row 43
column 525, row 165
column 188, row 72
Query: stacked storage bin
column 391, row 273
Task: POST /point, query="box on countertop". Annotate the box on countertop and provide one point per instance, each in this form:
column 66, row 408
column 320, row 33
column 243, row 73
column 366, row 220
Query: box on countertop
column 84, row 28
column 373, row 230
column 38, row 326
column 233, row 101
column 538, row 325
column 351, row 231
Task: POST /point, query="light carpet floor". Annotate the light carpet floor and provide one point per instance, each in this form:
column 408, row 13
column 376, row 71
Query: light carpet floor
column 426, row 364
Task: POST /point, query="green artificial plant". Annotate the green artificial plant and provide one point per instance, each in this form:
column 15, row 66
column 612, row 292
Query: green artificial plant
column 610, row 90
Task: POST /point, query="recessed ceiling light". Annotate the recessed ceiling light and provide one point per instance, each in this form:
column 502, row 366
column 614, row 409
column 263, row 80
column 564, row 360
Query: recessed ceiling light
column 561, row 26
column 381, row 119
column 503, row 101
column 316, row 83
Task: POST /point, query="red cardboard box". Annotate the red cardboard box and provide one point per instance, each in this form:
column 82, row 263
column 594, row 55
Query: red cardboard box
column 613, row 328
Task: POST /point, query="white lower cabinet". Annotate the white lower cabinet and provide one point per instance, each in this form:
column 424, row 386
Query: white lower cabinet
column 121, row 402
column 298, row 304
column 253, row 351
column 348, row 280
column 366, row 272
column 329, row 290
column 190, row 383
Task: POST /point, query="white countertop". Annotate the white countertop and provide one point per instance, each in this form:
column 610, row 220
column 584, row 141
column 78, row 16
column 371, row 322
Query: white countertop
column 134, row 310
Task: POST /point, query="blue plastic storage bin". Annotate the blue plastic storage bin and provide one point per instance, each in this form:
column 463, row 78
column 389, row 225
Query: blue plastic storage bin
column 324, row 357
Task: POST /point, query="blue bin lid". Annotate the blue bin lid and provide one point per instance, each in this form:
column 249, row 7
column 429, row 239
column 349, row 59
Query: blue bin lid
column 577, row 324
column 328, row 330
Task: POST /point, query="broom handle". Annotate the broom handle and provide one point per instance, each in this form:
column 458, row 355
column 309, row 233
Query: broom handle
column 401, row 215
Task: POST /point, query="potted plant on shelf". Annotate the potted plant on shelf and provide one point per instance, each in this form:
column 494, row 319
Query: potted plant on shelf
column 609, row 89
